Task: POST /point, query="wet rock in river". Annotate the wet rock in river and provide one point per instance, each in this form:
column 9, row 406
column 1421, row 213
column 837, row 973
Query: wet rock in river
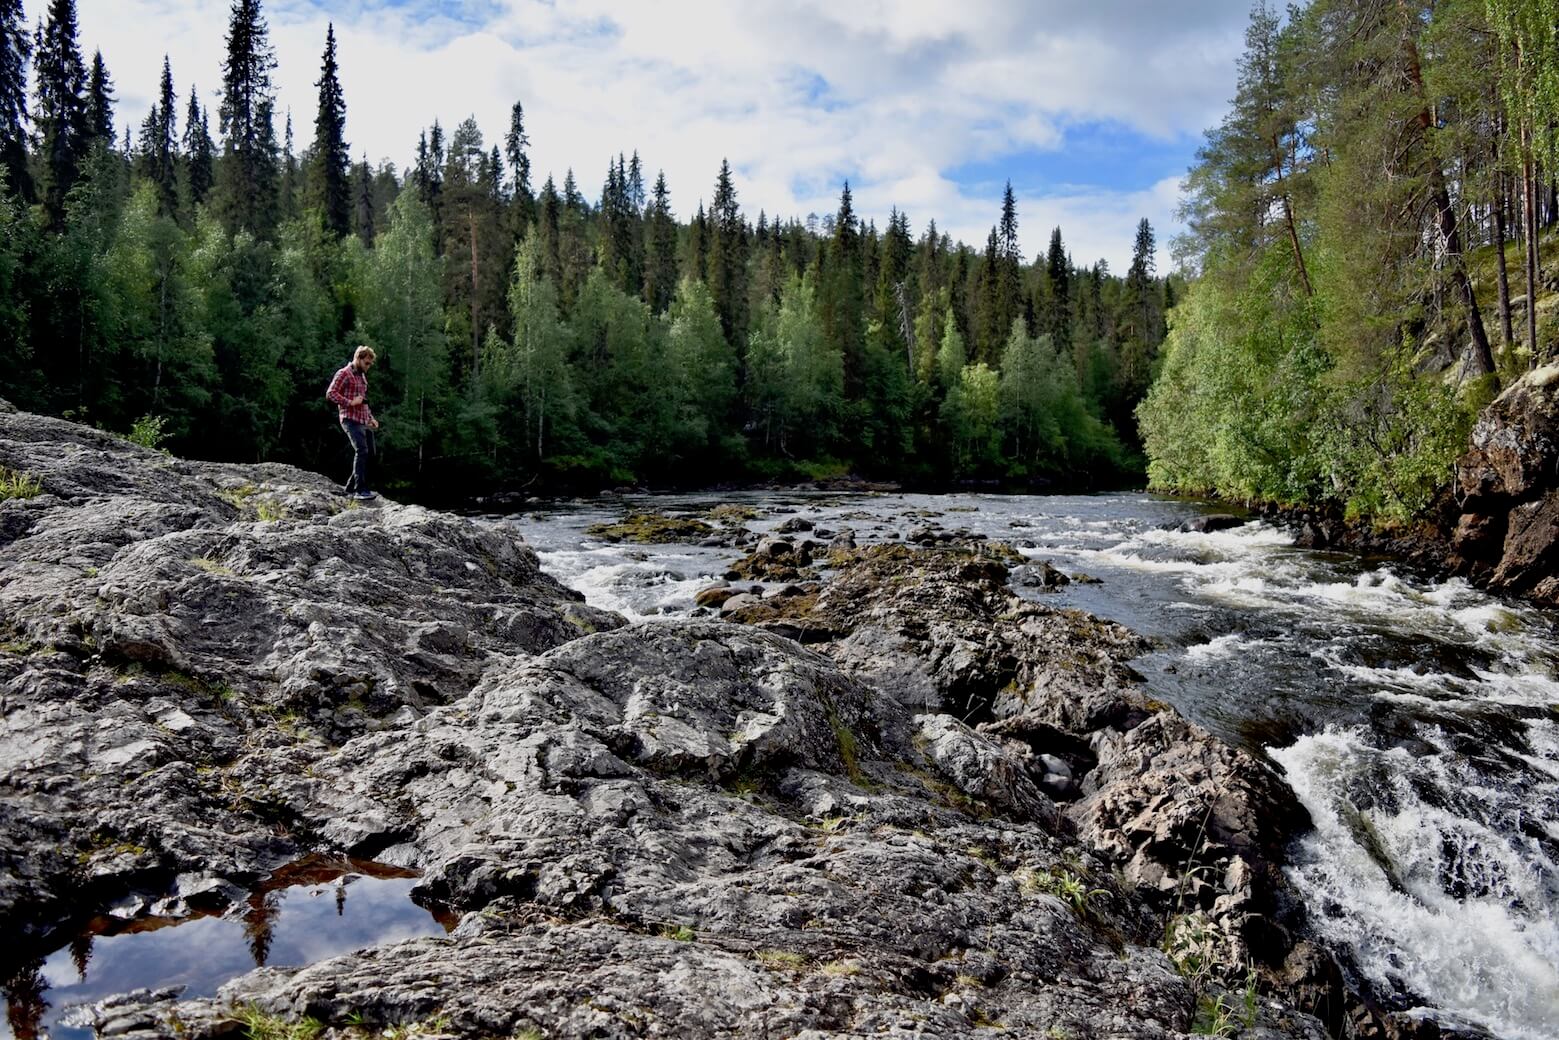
column 1211, row 522
column 714, row 595
column 652, row 528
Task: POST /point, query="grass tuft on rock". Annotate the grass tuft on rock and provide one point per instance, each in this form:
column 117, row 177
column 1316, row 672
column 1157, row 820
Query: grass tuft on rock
column 259, row 1025
column 14, row 484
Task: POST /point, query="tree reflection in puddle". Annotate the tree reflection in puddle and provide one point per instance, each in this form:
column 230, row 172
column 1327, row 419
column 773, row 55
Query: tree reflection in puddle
column 309, row 911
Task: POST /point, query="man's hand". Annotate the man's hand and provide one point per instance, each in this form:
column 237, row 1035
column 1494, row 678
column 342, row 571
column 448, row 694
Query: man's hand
column 373, row 424
column 354, row 402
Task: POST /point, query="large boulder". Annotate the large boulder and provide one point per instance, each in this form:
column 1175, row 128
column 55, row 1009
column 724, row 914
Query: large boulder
column 160, row 618
column 1515, row 444
column 1507, row 530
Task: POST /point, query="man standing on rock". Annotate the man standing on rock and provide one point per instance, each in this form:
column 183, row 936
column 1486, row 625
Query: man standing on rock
column 349, row 393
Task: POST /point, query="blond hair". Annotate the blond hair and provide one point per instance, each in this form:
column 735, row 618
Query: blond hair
column 364, row 354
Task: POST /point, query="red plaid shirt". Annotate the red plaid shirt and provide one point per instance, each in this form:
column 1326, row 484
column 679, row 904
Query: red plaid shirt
column 347, row 384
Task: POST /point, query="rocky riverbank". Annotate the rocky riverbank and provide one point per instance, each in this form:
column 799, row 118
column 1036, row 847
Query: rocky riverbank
column 1496, row 524
column 951, row 813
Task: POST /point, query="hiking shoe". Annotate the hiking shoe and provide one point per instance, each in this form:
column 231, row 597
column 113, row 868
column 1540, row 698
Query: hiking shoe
column 365, row 496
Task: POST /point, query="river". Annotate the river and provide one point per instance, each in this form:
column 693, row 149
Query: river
column 1418, row 720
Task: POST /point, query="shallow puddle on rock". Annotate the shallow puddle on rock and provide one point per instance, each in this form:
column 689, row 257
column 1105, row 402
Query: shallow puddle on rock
column 307, row 912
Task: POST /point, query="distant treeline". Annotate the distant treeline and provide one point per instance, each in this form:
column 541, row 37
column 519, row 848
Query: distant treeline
column 1366, row 222
column 202, row 287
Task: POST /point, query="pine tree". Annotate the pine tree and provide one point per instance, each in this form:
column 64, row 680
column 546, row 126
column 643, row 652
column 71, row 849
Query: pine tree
column 61, row 113
column 15, row 49
column 199, row 151
column 100, row 103
column 473, row 293
column 247, row 181
column 329, row 184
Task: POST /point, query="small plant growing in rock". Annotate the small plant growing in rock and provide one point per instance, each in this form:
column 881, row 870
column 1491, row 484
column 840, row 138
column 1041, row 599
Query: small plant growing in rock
column 211, row 566
column 781, row 959
column 260, row 1026
column 841, row 969
column 269, row 510
column 1066, row 886
column 148, row 432
column 18, row 485
column 678, row 932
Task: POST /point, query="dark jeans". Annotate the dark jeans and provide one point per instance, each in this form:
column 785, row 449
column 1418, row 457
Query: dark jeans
column 362, row 439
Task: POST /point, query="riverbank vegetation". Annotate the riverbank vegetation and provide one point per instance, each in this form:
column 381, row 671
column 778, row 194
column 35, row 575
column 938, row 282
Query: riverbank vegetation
column 1366, row 224
column 198, row 271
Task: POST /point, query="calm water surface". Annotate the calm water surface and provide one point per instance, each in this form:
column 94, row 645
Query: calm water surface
column 311, row 912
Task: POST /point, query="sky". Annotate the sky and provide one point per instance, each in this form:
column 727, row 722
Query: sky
column 1092, row 110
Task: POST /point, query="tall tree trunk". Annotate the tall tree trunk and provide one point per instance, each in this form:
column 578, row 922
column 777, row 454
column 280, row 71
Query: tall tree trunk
column 1288, row 219
column 1529, row 218
column 1505, row 327
column 1507, row 331
column 476, row 332
column 1445, row 215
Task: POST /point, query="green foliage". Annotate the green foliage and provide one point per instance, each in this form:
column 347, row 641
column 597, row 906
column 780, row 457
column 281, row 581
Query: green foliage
column 18, row 485
column 203, row 299
column 149, row 432
column 1072, row 889
column 258, row 1025
column 1329, row 350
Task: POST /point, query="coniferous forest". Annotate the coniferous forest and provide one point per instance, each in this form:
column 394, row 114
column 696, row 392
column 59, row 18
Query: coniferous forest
column 1366, row 227
column 194, row 278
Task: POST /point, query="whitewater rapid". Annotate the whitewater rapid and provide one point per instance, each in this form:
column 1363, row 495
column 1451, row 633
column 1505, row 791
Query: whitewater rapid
column 1417, row 720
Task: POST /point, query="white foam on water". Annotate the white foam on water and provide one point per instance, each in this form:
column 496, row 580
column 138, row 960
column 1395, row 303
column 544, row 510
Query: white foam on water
column 1242, row 539
column 1461, row 910
column 1425, row 685
column 1217, row 649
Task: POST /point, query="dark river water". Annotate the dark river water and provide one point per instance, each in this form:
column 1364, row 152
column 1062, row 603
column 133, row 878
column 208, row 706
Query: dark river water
column 1417, row 720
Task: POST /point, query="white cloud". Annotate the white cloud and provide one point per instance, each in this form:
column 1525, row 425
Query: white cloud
column 798, row 95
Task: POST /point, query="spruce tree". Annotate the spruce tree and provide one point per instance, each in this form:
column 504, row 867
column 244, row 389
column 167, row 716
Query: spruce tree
column 100, row 103
column 15, row 49
column 247, row 181
column 291, row 175
column 636, row 184
column 1058, row 310
column 1139, row 278
column 1009, row 278
column 842, row 302
column 329, row 174
column 363, row 197
column 550, row 247
column 61, row 112
column 727, row 263
column 515, row 146
column 660, row 274
column 159, row 146
column 199, row 152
